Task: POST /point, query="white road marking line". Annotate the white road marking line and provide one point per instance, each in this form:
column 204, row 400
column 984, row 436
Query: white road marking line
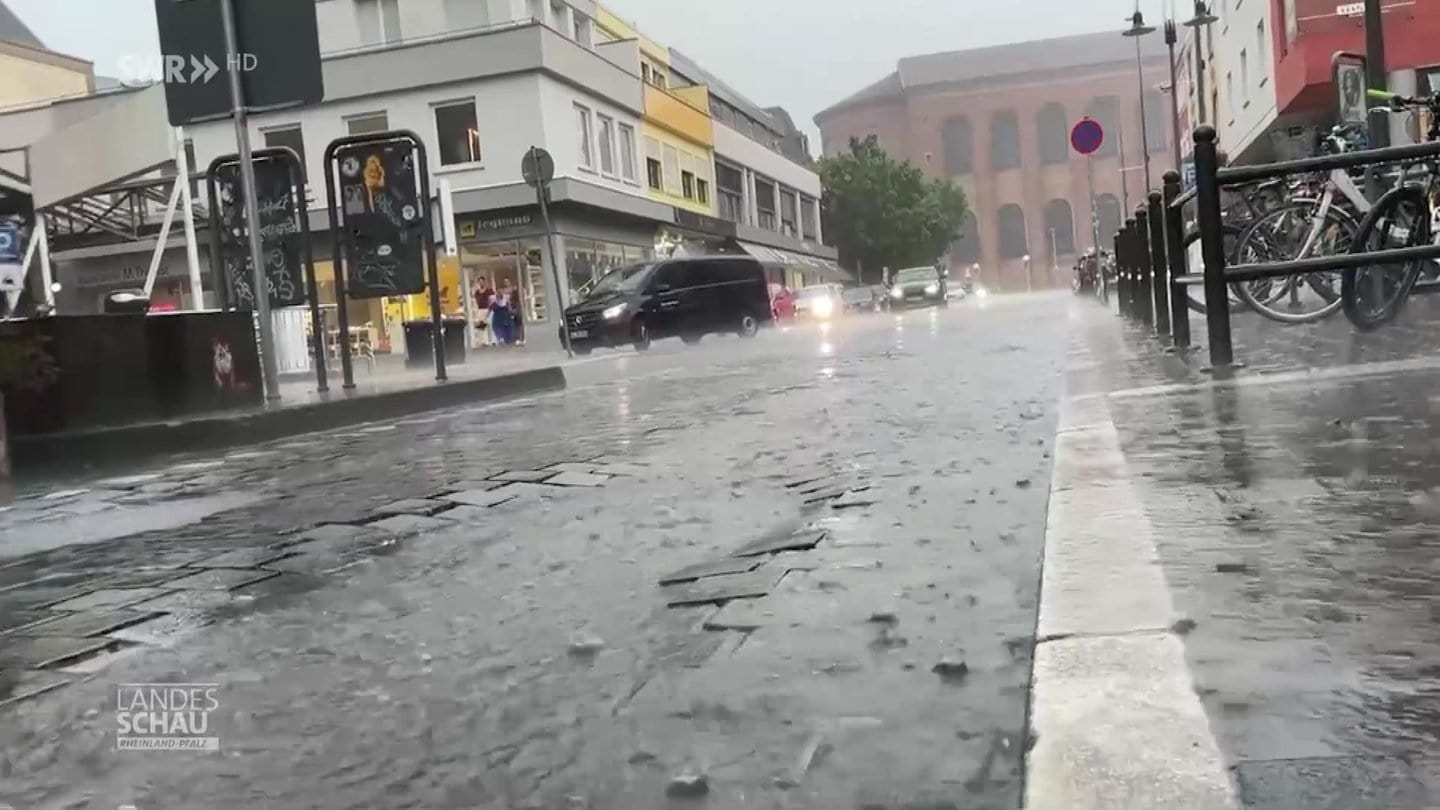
column 1116, row 720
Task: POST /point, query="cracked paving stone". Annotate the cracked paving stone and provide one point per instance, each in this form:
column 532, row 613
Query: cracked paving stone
column 16, row 619
column 164, row 629
column 620, row 469
column 525, row 476
column 574, row 479
column 573, row 467
column 410, row 524
column 222, row 579
column 466, row 514
column 18, row 686
column 423, row 507
column 332, row 533
column 483, row 497
column 799, row 541
column 86, row 624
column 852, row 499
column 239, row 558
column 51, row 651
column 742, row 615
column 690, row 573
column 724, row 588
column 825, row 494
column 108, row 598
column 180, row 602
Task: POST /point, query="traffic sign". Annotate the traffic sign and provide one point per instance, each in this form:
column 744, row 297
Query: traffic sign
column 537, row 167
column 1087, row 136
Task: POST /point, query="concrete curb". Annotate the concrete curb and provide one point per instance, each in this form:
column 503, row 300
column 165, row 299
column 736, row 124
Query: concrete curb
column 134, row 444
column 1114, row 716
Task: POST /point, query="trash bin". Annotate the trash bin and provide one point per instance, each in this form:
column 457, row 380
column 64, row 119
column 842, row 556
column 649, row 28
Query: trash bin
column 420, row 350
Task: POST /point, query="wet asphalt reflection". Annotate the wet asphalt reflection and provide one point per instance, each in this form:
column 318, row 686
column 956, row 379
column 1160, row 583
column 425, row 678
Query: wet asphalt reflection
column 479, row 619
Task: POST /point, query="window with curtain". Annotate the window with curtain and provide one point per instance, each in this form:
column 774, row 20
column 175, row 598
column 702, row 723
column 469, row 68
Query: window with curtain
column 730, row 185
column 584, row 130
column 456, row 129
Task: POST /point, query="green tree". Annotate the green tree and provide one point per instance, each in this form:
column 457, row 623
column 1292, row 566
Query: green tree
column 880, row 212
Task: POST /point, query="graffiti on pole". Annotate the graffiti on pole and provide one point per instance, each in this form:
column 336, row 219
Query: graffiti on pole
column 385, row 227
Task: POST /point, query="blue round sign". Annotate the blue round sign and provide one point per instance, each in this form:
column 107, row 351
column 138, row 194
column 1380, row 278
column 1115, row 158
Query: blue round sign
column 1087, row 135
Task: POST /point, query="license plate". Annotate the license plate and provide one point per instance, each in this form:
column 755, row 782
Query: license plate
column 579, row 333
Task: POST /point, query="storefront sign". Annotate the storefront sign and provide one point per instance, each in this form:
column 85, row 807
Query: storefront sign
column 478, row 228
column 703, row 223
column 384, row 224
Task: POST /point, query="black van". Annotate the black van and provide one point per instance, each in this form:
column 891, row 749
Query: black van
column 686, row 298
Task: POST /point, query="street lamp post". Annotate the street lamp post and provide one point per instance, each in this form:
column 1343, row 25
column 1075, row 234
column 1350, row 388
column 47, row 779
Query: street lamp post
column 1200, row 23
column 1138, row 29
column 1171, row 37
column 1029, row 282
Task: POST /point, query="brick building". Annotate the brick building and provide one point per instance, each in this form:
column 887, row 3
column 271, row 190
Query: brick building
column 997, row 121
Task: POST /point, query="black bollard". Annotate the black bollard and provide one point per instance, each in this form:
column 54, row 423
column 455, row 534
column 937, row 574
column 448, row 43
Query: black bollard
column 1129, row 264
column 1175, row 258
column 1119, row 248
column 1159, row 277
column 1212, row 248
column 1143, row 306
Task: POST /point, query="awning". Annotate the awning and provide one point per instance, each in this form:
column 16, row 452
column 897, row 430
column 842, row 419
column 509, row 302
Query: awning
column 784, row 258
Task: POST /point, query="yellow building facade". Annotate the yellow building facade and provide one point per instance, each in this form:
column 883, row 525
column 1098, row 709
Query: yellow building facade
column 32, row 74
column 678, row 133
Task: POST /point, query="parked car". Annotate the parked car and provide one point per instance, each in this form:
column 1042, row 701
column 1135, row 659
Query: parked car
column 918, row 286
column 864, row 299
column 782, row 302
column 820, row 301
column 686, row 298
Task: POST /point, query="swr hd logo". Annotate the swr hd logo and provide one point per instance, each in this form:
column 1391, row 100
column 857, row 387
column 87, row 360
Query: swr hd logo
column 174, row 68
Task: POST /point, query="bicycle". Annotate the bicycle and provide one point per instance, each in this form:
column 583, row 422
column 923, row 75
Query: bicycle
column 1405, row 216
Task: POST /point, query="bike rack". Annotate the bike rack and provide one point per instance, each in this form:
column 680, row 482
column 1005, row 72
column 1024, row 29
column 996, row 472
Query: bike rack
column 1150, row 255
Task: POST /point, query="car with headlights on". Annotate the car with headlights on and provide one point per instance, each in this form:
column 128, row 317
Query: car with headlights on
column 864, row 299
column 820, row 301
column 918, row 286
column 686, row 298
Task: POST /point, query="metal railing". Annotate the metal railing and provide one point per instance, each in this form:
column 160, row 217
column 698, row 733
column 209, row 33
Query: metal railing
column 1152, row 275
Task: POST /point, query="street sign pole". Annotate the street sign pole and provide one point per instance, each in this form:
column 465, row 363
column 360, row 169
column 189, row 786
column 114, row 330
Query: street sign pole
column 538, row 168
column 268, row 366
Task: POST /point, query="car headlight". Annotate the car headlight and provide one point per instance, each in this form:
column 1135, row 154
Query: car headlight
column 980, row 292
column 611, row 313
column 824, row 307
column 931, row 289
column 897, row 293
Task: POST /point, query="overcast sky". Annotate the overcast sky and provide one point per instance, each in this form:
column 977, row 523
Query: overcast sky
column 800, row 54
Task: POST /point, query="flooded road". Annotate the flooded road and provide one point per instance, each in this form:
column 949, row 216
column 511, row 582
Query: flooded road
column 466, row 608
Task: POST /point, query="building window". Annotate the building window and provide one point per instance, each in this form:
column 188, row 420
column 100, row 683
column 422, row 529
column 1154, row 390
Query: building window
column 627, row 152
column 1157, row 121
column 966, row 247
column 458, row 132
column 1059, row 228
column 368, row 124
column 1004, row 141
column 955, row 141
column 1013, row 243
column 560, row 16
column 702, row 190
column 1106, row 110
column 607, row 145
column 765, row 203
column 379, row 21
column 1052, row 129
column 1244, row 76
column 789, row 220
column 654, row 169
column 537, row 11
column 1230, row 94
column 291, row 137
column 687, row 184
column 730, row 182
column 672, row 169
column 463, row 15
column 582, row 30
column 1107, row 210
column 807, row 218
column 1261, row 49
column 584, row 130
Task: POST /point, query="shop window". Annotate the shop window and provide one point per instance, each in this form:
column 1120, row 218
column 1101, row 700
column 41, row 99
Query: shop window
column 1053, row 133
column 457, row 130
column 1004, row 141
column 1106, row 111
column 368, row 124
column 1011, row 222
column 956, row 140
column 292, row 138
column 1060, row 227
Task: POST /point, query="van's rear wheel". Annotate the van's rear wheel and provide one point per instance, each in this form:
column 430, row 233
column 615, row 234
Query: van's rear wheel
column 749, row 326
column 640, row 335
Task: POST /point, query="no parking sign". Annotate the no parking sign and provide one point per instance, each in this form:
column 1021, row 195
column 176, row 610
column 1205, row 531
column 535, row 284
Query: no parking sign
column 1087, row 136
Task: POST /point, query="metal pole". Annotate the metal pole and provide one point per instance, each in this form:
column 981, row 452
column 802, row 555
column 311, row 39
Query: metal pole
column 1094, row 209
column 1124, row 175
column 266, row 336
column 1175, row 255
column 1143, row 300
column 1170, row 39
column 1144, row 128
column 1212, row 247
column 540, row 195
column 338, row 263
column 192, row 249
column 437, row 322
column 312, row 288
column 1159, row 281
column 1375, row 70
column 47, row 275
column 1119, row 247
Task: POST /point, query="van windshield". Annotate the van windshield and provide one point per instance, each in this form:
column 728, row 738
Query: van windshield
column 630, row 278
column 915, row 274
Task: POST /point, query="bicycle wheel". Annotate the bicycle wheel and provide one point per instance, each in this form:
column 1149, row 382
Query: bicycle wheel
column 1195, row 263
column 1280, row 235
column 1372, row 296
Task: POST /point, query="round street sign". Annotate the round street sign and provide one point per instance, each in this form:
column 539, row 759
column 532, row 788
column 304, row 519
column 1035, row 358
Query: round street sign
column 537, row 167
column 1087, row 135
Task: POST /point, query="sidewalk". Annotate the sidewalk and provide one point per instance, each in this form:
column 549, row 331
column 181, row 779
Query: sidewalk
column 384, row 393
column 1239, row 606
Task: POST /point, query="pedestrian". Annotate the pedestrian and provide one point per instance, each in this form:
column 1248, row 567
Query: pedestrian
column 484, row 293
column 501, row 319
